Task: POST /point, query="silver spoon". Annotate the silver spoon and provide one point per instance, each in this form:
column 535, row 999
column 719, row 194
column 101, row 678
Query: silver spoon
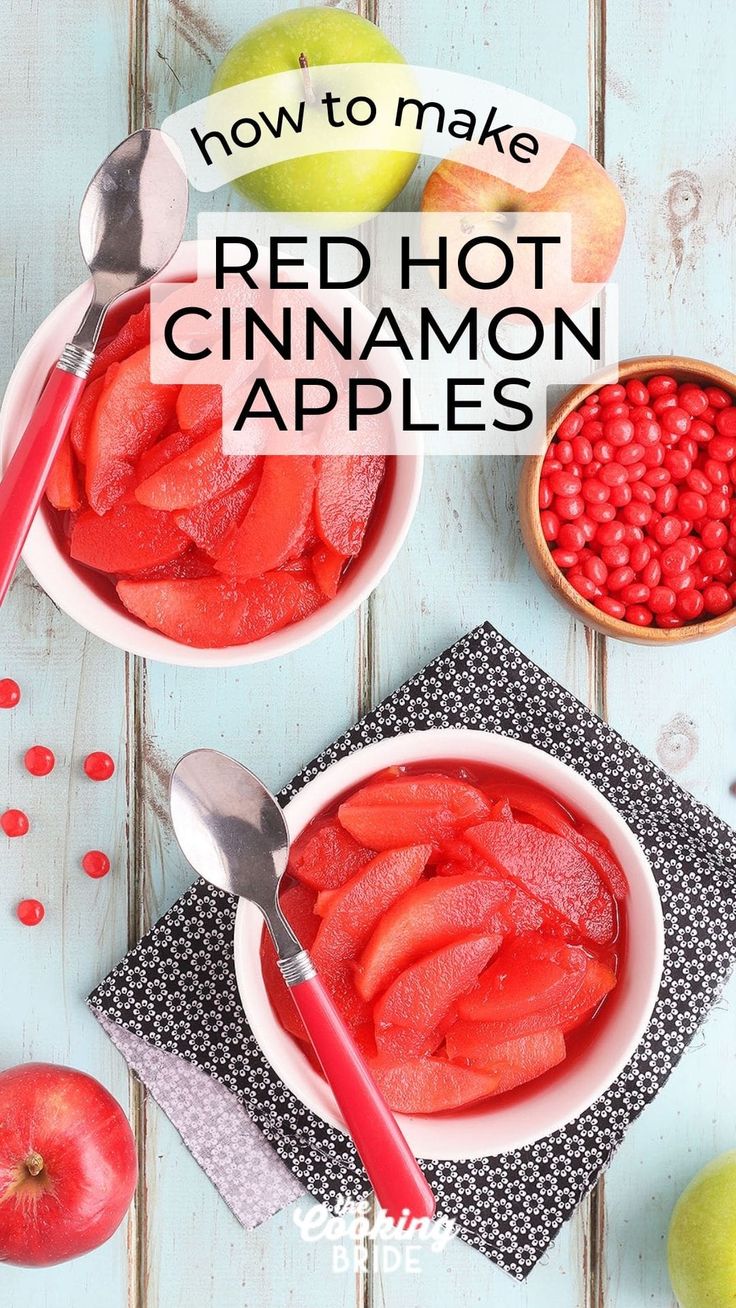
column 233, row 832
column 130, row 225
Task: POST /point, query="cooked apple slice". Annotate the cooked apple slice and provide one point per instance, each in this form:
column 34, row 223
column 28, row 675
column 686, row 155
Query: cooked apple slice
column 551, row 869
column 361, row 902
column 199, row 474
column 192, row 563
column 62, row 487
column 351, row 916
column 431, row 915
column 168, row 448
column 131, row 414
column 134, row 335
column 213, row 612
column 82, row 420
column 532, row 974
column 310, row 597
column 276, row 520
column 410, row 810
column 327, row 858
column 404, row 1042
column 210, row 523
column 126, row 539
column 327, row 566
column 598, row 982
column 429, row 1085
column 421, row 997
column 513, row 1062
column 545, row 809
column 347, row 486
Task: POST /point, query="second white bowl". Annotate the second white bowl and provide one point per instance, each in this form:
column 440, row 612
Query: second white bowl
column 490, row 1128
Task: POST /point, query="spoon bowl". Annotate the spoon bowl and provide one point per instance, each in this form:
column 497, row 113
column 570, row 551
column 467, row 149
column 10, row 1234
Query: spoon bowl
column 233, row 832
column 131, row 221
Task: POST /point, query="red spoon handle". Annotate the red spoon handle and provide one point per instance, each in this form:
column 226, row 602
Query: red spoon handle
column 28, row 471
column 392, row 1169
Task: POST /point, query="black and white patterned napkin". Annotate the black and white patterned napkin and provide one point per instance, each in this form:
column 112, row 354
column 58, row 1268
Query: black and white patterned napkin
column 177, row 989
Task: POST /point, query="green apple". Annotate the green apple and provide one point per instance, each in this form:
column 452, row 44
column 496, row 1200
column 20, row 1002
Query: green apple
column 701, row 1247
column 347, row 181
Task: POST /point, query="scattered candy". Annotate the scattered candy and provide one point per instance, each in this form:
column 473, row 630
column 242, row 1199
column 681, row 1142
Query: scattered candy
column 14, row 822
column 39, row 760
column 638, row 501
column 99, row 766
column 96, row 864
column 9, row 693
column 30, row 912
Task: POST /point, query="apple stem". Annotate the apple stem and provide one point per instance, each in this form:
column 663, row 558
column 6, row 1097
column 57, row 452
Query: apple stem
column 309, row 95
column 34, row 1164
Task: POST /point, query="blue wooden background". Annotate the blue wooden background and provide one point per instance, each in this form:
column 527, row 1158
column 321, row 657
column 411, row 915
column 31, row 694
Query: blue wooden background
column 650, row 87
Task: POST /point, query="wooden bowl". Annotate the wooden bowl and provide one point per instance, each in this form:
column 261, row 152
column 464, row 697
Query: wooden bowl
column 683, row 370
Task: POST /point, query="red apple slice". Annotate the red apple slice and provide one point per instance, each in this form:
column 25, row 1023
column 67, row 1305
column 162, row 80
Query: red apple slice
column 428, row 1085
column 310, row 597
column 168, row 448
column 423, row 920
column 598, row 982
column 327, row 566
column 127, row 538
column 404, row 1042
column 410, row 810
column 276, row 521
column 212, row 612
column 422, row 996
column 361, row 902
column 62, row 487
column 552, row 870
column 209, row 524
column 327, row 858
column 351, row 916
column 198, row 475
column 131, row 414
column 134, row 335
column 191, row 563
column 82, row 420
column 547, row 811
column 347, row 486
column 532, row 974
column 513, row 1062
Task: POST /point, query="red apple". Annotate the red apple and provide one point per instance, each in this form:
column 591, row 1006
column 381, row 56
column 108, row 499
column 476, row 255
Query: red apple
column 68, row 1164
column 578, row 187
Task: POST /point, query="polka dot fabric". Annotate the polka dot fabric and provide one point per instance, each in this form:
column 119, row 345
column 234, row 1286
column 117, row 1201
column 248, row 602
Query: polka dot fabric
column 177, row 989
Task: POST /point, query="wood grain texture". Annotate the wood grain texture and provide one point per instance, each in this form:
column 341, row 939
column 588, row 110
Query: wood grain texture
column 56, row 128
column 119, row 66
column 676, row 169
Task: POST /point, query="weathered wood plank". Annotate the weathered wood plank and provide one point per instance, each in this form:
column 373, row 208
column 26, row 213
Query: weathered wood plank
column 464, row 561
column 273, row 717
column 65, row 105
column 673, row 156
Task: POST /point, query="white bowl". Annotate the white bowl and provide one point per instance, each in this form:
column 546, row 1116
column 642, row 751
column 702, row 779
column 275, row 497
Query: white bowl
column 489, row 1128
column 91, row 600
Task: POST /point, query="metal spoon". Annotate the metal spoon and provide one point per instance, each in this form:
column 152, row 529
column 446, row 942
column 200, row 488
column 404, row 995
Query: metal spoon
column 233, row 832
column 130, row 225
